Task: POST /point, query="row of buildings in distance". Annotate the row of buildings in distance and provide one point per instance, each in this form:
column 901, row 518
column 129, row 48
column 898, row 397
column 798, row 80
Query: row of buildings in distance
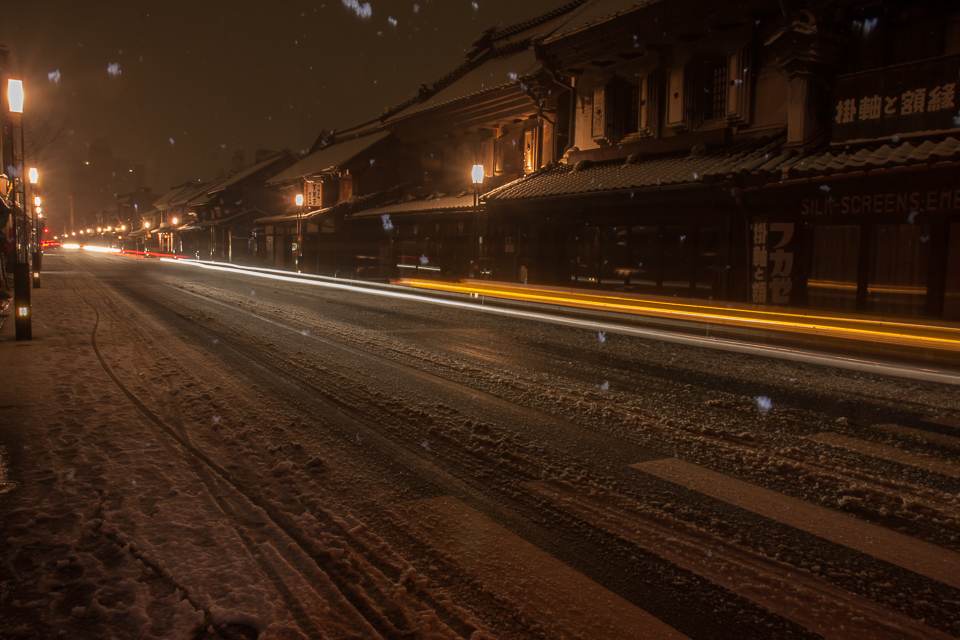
column 772, row 152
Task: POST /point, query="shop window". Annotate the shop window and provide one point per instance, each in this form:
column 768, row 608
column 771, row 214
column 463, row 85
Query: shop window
column 679, row 246
column 951, row 300
column 715, row 86
column 616, row 111
column 615, row 269
column 708, row 247
column 585, row 261
column 531, row 143
column 644, row 258
column 897, row 279
column 833, row 269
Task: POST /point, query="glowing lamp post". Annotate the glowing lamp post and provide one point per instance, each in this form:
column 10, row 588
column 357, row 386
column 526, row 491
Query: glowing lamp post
column 21, row 268
column 477, row 175
column 299, row 228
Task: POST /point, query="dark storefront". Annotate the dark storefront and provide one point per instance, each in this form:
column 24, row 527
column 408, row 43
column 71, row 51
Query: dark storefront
column 887, row 243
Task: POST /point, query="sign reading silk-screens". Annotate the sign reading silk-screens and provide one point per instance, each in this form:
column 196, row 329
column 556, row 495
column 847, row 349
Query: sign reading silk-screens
column 920, row 96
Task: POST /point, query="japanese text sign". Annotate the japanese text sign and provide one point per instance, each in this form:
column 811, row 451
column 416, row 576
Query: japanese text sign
column 920, row 96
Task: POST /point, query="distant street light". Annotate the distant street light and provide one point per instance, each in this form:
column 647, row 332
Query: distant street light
column 34, row 175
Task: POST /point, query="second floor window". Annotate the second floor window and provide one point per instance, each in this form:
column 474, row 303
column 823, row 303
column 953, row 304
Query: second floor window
column 715, row 90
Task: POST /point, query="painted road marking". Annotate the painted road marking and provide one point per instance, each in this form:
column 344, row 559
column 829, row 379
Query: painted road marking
column 920, row 434
column 564, row 602
column 886, row 452
column 799, row 596
column 921, row 557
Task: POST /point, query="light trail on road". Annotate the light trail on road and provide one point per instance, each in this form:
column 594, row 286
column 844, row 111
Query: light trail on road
column 862, row 365
column 819, row 325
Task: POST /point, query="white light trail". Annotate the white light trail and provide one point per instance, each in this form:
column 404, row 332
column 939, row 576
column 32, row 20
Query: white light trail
column 782, row 353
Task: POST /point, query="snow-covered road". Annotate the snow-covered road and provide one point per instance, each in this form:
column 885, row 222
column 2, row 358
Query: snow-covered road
column 198, row 454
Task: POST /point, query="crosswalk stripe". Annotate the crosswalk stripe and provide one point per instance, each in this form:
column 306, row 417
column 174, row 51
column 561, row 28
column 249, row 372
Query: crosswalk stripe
column 809, row 601
column 930, row 436
column 886, row 452
column 921, row 557
column 563, row 601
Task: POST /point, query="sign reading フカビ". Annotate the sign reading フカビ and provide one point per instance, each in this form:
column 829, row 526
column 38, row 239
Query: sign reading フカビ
column 920, row 96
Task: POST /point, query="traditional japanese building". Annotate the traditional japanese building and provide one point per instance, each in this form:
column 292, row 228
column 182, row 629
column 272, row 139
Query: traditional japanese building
column 870, row 221
column 750, row 152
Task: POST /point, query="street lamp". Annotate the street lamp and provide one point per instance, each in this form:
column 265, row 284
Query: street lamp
column 299, row 228
column 21, row 269
column 477, row 175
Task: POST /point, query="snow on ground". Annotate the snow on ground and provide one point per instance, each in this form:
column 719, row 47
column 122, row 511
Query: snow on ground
column 119, row 529
column 166, row 491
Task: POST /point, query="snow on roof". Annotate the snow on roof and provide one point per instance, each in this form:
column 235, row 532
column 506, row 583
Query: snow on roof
column 595, row 12
column 329, row 158
column 500, row 71
column 240, row 176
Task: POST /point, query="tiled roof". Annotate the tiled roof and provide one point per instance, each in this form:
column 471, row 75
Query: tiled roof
column 246, row 213
column 636, row 173
column 350, row 205
column 829, row 162
column 202, row 196
column 329, row 158
column 499, row 71
column 541, row 19
column 274, row 158
column 434, row 203
column 191, row 192
column 594, row 12
column 178, row 190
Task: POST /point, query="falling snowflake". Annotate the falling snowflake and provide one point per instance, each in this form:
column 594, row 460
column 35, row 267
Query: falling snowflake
column 912, row 216
column 602, row 336
column 475, row 5
column 426, row 445
column 216, row 419
column 362, row 10
column 824, row 187
column 305, row 332
column 387, row 223
column 392, row 21
column 171, row 142
column 54, row 76
column 513, row 76
column 605, row 386
column 113, row 68
column 416, row 8
column 764, row 404
column 424, row 259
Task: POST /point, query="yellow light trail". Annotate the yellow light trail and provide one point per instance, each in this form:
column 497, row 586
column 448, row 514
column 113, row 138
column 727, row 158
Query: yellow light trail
column 772, row 319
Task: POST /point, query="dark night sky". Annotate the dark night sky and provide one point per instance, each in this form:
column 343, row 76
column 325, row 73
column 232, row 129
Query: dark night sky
column 215, row 76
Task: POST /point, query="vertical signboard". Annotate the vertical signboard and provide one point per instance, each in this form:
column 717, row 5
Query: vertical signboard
column 772, row 262
column 314, row 194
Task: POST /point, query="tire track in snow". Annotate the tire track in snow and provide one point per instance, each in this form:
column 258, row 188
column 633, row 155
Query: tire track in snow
column 367, row 611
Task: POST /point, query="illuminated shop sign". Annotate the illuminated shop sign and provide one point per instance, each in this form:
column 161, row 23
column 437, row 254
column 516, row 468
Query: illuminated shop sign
column 920, row 96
